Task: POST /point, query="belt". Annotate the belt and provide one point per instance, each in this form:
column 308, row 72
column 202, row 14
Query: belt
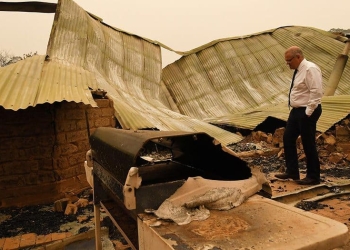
column 319, row 105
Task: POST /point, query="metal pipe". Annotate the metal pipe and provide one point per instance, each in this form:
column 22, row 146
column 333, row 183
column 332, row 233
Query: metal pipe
column 98, row 243
column 346, row 48
column 337, row 71
column 39, row 7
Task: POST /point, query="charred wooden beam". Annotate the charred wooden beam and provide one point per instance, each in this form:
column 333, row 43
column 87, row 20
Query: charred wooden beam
column 40, row 7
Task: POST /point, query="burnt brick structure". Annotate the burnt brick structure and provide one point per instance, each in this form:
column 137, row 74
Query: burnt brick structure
column 43, row 148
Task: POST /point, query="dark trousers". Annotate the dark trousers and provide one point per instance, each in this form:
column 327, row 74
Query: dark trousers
column 300, row 124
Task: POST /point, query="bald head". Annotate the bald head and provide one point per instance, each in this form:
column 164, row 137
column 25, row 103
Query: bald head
column 294, row 50
column 293, row 56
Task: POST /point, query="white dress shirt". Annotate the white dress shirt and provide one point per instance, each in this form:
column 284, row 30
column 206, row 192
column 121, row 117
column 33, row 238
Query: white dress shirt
column 307, row 88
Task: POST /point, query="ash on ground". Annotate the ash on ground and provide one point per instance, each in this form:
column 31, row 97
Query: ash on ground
column 275, row 163
column 243, row 147
column 43, row 220
column 310, row 205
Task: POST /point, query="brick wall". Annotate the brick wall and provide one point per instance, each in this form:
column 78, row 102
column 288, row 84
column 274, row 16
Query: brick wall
column 43, row 148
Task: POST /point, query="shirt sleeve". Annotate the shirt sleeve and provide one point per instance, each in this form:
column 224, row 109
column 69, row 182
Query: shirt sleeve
column 314, row 84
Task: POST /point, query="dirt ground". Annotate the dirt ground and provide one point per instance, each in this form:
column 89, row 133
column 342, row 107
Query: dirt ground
column 336, row 208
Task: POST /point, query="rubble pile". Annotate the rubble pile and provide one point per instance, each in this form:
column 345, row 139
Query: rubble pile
column 74, row 214
column 266, row 150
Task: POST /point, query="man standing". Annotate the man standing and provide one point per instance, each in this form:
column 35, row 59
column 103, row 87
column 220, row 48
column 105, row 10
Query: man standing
column 305, row 103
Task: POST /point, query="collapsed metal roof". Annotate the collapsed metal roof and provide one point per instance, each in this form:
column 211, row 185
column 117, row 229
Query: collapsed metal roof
column 84, row 53
column 241, row 81
column 235, row 81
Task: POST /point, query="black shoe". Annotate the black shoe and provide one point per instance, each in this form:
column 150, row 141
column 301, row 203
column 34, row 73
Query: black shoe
column 307, row 181
column 285, row 176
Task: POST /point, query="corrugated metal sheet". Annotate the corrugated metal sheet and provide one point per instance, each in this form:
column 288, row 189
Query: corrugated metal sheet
column 33, row 81
column 235, row 81
column 241, row 81
column 334, row 108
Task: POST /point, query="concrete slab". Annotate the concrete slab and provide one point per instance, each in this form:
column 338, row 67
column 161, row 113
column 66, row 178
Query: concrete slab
column 258, row 223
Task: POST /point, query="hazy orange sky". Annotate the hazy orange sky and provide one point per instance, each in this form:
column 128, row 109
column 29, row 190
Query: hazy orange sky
column 182, row 24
